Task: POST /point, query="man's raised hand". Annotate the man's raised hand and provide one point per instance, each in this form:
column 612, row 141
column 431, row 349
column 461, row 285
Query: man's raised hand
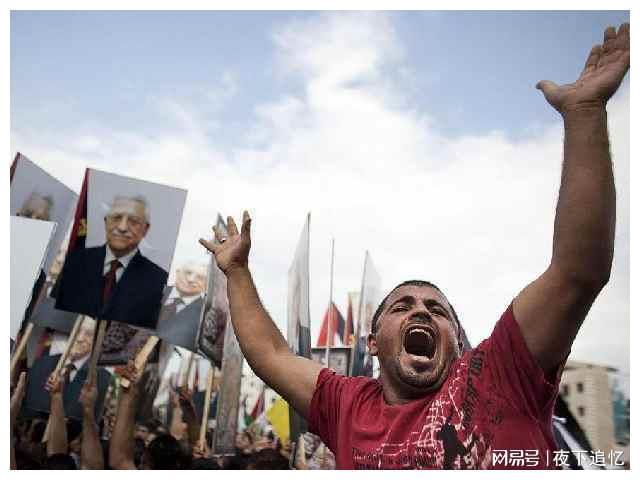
column 232, row 252
column 55, row 383
column 603, row 72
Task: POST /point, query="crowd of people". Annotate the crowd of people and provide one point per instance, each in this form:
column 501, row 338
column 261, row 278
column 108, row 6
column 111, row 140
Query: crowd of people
column 53, row 442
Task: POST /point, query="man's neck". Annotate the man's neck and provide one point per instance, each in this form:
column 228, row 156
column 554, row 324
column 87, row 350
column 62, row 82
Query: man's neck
column 399, row 394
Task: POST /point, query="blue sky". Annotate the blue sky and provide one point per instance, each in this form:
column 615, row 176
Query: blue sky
column 474, row 71
column 416, row 135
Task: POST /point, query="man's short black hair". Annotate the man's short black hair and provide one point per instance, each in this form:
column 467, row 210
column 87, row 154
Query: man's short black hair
column 165, row 453
column 413, row 283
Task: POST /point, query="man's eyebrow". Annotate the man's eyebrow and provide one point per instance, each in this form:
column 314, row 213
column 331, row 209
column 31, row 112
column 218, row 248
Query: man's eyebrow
column 434, row 303
column 408, row 299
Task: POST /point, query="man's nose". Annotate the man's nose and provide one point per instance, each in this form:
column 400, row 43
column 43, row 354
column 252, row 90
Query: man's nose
column 421, row 314
column 122, row 224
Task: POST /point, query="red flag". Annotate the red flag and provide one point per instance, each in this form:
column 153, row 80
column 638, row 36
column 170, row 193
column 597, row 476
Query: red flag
column 258, row 408
column 12, row 168
column 347, row 339
column 79, row 230
column 337, row 327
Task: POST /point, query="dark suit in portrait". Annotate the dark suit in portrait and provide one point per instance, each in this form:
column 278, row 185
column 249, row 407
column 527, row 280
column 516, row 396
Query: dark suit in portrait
column 135, row 298
column 37, row 399
column 178, row 324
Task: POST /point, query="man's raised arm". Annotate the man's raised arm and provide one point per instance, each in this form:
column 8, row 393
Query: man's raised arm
column 261, row 342
column 551, row 309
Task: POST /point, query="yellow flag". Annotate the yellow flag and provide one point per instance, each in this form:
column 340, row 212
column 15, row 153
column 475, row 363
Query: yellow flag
column 278, row 416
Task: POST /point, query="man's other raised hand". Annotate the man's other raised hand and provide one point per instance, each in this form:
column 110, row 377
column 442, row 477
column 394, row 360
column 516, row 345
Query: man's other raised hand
column 603, row 72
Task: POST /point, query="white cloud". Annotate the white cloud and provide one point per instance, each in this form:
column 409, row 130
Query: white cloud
column 473, row 214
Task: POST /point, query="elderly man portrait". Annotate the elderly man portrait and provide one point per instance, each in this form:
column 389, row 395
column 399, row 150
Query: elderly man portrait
column 115, row 281
column 182, row 303
column 36, row 207
column 75, row 371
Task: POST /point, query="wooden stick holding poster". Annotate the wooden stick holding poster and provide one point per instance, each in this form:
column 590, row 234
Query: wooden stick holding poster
column 205, row 409
column 63, row 358
column 20, row 348
column 97, row 347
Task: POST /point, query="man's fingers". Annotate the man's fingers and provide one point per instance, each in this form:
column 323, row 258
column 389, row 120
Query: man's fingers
column 594, row 56
column 231, row 226
column 218, row 234
column 623, row 38
column 208, row 245
column 547, row 87
column 609, row 34
column 246, row 224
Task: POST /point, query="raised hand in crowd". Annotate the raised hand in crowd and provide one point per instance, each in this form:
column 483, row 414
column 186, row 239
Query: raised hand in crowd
column 55, row 383
column 57, row 441
column 189, row 415
column 91, row 456
column 122, row 444
column 16, row 403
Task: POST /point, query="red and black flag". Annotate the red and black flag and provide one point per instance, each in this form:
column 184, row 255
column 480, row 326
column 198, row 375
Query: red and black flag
column 79, row 229
column 334, row 318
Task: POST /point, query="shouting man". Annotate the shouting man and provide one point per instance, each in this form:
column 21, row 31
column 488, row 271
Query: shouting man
column 434, row 406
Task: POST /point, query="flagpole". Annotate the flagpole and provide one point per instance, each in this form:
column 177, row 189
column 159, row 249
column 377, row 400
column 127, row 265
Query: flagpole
column 329, row 317
column 329, row 335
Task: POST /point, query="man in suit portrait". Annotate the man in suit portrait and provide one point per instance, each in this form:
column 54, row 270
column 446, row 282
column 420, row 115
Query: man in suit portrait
column 181, row 306
column 115, row 281
column 36, row 207
column 75, row 371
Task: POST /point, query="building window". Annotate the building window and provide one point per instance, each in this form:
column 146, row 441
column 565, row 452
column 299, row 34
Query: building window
column 581, row 411
column 580, row 387
column 565, row 390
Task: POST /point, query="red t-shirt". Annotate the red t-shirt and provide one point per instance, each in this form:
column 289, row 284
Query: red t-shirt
column 493, row 411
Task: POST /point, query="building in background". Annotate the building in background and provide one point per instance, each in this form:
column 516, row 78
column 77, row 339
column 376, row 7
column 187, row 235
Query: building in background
column 587, row 390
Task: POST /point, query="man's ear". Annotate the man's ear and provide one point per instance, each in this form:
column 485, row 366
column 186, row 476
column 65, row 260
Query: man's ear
column 372, row 344
column 146, row 229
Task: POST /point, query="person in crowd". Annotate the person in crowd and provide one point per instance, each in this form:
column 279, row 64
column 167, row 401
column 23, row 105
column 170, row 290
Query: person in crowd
column 57, row 440
column 16, row 403
column 163, row 453
column 91, row 454
column 433, row 406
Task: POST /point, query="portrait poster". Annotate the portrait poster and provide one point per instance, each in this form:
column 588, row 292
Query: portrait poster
column 183, row 305
column 121, row 248
column 36, row 194
column 215, row 314
column 339, row 358
column 37, row 399
column 29, row 241
column 298, row 314
column 362, row 364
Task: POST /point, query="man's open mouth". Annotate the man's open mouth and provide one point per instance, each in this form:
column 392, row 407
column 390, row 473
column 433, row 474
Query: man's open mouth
column 420, row 340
